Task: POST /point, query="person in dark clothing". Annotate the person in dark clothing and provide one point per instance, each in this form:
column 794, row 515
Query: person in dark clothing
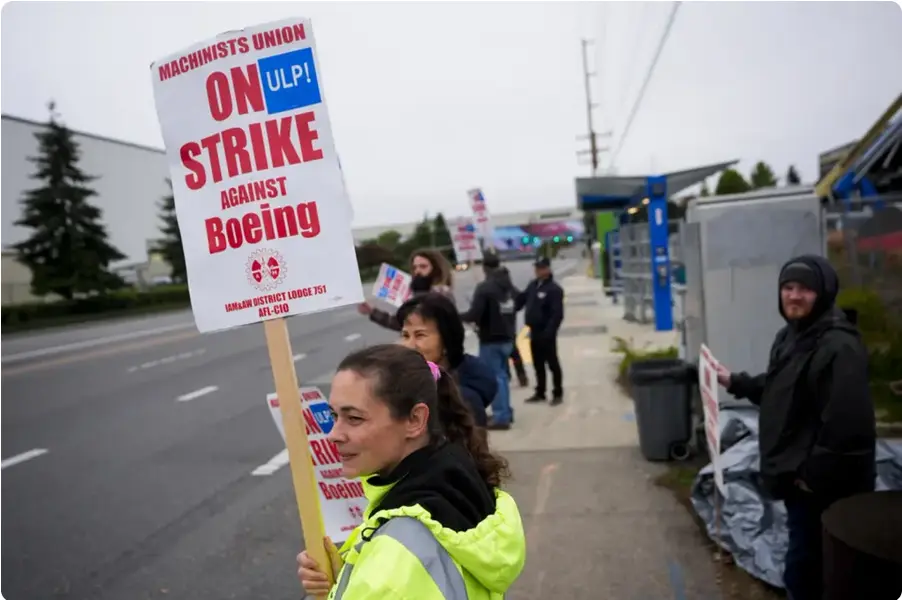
column 543, row 300
column 817, row 429
column 431, row 272
column 432, row 327
column 491, row 310
column 515, row 353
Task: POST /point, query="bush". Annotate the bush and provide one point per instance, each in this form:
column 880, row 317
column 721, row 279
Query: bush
column 874, row 320
column 26, row 315
column 631, row 354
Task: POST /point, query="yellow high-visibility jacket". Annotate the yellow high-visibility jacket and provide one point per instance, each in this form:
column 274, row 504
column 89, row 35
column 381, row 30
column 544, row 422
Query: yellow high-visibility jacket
column 413, row 557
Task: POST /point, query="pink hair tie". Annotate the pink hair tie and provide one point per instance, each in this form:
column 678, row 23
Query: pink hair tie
column 436, row 370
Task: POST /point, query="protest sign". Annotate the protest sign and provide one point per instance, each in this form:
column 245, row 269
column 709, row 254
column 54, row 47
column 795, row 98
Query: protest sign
column 481, row 219
column 392, row 285
column 259, row 192
column 260, row 201
column 707, row 385
column 341, row 500
column 463, row 238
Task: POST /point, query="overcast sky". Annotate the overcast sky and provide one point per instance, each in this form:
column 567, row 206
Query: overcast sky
column 430, row 99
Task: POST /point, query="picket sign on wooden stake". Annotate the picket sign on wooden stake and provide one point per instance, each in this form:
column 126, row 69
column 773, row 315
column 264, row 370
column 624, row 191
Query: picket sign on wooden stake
column 278, row 342
column 256, row 214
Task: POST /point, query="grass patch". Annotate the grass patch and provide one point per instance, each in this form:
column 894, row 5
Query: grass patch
column 734, row 583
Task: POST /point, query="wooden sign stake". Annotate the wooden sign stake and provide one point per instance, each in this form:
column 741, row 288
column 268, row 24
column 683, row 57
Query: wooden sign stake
column 303, row 475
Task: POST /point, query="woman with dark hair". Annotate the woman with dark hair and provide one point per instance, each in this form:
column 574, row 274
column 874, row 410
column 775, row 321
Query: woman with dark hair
column 431, row 325
column 438, row 525
column 431, row 272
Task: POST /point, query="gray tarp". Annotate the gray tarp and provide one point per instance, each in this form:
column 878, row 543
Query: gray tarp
column 753, row 527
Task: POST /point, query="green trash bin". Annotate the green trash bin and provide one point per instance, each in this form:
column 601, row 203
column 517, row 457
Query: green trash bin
column 660, row 390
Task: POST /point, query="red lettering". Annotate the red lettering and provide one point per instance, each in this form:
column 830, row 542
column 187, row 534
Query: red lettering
column 280, row 147
column 233, row 147
column 312, row 425
column 280, row 223
column 247, row 88
column 209, row 143
column 325, row 490
column 319, row 454
column 215, row 240
column 197, row 177
column 308, row 136
column 286, row 140
column 219, row 97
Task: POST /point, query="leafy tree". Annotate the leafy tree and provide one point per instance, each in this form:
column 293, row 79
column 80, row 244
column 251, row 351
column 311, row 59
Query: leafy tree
column 370, row 254
column 763, row 176
column 420, row 238
column 792, row 176
column 704, row 191
column 68, row 251
column 731, row 181
column 389, row 239
column 170, row 246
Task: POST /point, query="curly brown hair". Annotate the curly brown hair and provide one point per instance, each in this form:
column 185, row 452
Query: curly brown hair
column 402, row 379
column 441, row 268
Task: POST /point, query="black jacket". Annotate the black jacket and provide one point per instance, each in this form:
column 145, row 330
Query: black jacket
column 817, row 420
column 445, row 481
column 544, row 303
column 510, row 316
column 493, row 302
column 478, row 386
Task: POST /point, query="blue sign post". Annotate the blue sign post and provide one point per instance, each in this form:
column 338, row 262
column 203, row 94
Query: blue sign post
column 656, row 190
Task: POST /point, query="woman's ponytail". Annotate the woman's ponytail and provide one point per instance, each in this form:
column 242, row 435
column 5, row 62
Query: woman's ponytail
column 458, row 426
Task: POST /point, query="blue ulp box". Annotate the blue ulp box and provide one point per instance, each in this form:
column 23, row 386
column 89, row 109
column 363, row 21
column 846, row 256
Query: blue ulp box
column 289, row 81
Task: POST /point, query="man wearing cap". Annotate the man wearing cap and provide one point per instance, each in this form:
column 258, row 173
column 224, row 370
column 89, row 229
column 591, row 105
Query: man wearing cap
column 543, row 300
column 490, row 310
column 817, row 429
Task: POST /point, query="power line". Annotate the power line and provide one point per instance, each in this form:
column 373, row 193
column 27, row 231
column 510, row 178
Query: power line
column 648, row 75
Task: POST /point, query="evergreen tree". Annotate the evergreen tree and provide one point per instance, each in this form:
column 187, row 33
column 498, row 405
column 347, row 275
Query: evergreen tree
column 170, row 246
column 68, row 251
column 792, row 176
column 440, row 231
column 763, row 176
column 731, row 181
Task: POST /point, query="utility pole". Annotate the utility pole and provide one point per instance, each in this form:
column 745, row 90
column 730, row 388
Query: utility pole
column 593, row 150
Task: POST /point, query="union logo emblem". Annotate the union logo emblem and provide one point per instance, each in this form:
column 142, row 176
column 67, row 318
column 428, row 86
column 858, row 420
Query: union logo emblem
column 266, row 269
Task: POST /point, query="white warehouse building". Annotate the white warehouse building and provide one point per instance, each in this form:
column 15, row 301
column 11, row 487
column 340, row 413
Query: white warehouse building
column 130, row 185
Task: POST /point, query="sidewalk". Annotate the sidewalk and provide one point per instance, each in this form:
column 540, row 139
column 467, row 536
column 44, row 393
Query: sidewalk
column 597, row 525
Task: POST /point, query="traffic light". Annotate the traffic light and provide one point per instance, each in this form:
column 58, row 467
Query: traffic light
column 569, row 239
column 557, row 239
column 525, row 239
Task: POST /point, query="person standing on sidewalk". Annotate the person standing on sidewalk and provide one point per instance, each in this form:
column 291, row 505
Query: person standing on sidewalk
column 492, row 303
column 817, row 428
column 543, row 300
column 515, row 352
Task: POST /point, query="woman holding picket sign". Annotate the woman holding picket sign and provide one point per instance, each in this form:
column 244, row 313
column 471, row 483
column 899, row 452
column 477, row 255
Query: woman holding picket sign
column 438, row 526
column 431, row 272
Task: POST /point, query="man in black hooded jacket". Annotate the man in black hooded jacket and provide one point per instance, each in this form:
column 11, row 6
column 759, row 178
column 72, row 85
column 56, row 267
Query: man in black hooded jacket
column 817, row 429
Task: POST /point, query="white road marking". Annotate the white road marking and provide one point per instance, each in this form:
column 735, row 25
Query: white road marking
column 298, row 357
column 92, row 343
column 352, row 337
column 198, row 393
column 20, row 458
column 167, row 360
column 275, row 463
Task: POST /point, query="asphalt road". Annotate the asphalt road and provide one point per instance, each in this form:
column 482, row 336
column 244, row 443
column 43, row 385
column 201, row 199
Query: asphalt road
column 150, row 433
